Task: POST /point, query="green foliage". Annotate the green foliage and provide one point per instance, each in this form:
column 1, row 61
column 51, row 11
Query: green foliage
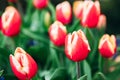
column 52, row 61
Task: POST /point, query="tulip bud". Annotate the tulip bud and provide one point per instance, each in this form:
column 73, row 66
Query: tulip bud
column 11, row 21
column 101, row 21
column 78, row 9
column 57, row 33
column 40, row 4
column 90, row 14
column 47, row 20
column 64, row 12
column 107, row 46
column 23, row 65
column 76, row 46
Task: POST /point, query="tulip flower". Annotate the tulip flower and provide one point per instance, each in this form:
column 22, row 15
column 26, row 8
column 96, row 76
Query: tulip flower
column 107, row 46
column 11, row 0
column 78, row 9
column 40, row 4
column 90, row 15
column 76, row 46
column 23, row 65
column 64, row 12
column 57, row 33
column 101, row 21
column 0, row 23
column 11, row 21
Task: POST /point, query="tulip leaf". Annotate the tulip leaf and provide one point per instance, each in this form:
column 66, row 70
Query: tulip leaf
column 99, row 76
column 84, row 77
column 1, row 72
column 36, row 23
column 59, row 74
column 87, row 70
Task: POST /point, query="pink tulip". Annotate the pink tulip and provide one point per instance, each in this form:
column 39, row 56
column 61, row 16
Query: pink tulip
column 23, row 65
column 64, row 12
column 107, row 46
column 57, row 33
column 40, row 4
column 77, row 46
column 11, row 21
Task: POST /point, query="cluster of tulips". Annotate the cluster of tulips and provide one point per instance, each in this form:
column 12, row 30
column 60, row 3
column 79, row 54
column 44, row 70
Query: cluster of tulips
column 75, row 42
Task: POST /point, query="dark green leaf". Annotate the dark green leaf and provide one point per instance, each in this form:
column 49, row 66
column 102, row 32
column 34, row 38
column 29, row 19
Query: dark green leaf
column 1, row 72
column 59, row 74
column 99, row 76
column 84, row 77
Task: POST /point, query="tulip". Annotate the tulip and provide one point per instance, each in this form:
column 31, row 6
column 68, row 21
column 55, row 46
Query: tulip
column 23, row 65
column 90, row 15
column 47, row 20
column 0, row 23
column 11, row 0
column 11, row 21
column 76, row 46
column 78, row 9
column 64, row 12
column 57, row 33
column 101, row 21
column 40, row 4
column 107, row 46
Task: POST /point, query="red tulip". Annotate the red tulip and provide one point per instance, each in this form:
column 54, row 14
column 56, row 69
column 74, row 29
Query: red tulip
column 0, row 23
column 40, row 4
column 90, row 14
column 64, row 12
column 102, row 21
column 107, row 46
column 78, row 9
column 57, row 33
column 76, row 46
column 11, row 0
column 11, row 21
column 23, row 65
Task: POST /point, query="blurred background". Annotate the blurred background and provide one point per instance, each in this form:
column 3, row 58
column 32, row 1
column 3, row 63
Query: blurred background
column 111, row 8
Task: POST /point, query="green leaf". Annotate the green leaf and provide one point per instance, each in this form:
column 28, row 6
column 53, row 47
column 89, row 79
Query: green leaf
column 1, row 72
column 87, row 70
column 84, row 77
column 99, row 76
column 59, row 74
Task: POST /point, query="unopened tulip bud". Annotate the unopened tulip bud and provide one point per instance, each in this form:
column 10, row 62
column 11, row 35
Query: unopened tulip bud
column 40, row 4
column 107, row 46
column 57, row 33
column 47, row 20
column 64, row 12
column 23, row 65
column 77, row 46
column 11, row 21
column 102, row 21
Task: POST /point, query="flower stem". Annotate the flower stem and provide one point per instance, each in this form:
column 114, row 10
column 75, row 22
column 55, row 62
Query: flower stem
column 3, row 41
column 20, row 7
column 78, row 69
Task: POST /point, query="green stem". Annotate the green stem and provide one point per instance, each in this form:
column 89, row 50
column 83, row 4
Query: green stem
column 3, row 41
column 78, row 69
column 20, row 7
column 28, row 11
column 73, row 27
column 100, row 64
column 52, row 9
